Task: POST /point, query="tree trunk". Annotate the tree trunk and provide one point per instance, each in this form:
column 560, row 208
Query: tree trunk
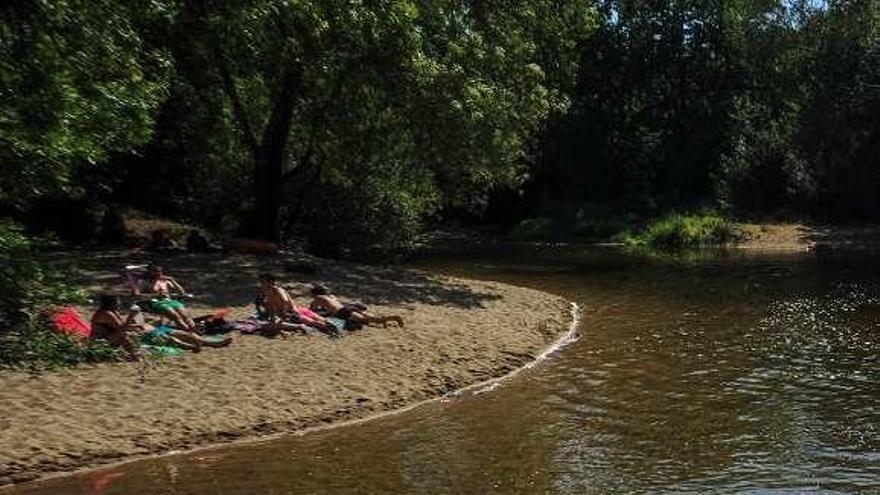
column 269, row 166
column 270, row 151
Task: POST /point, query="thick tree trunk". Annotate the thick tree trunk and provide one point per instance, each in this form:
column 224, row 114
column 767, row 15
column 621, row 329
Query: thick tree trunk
column 269, row 166
column 269, row 151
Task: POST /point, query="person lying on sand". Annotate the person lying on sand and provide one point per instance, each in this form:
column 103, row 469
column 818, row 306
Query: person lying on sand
column 279, row 305
column 108, row 324
column 324, row 301
column 162, row 286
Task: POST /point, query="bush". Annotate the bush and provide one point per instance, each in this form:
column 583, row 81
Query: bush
column 28, row 290
column 677, row 231
column 35, row 346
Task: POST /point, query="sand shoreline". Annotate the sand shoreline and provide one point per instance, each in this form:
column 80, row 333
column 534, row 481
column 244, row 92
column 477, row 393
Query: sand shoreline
column 459, row 333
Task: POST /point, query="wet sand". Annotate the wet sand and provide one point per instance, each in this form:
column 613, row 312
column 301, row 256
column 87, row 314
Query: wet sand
column 458, row 332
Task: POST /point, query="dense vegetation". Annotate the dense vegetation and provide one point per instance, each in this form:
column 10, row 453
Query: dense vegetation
column 27, row 287
column 349, row 126
column 747, row 106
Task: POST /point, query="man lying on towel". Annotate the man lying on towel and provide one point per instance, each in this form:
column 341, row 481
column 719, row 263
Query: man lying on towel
column 325, row 302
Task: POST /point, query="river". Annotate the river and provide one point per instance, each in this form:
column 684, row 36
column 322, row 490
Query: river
column 712, row 373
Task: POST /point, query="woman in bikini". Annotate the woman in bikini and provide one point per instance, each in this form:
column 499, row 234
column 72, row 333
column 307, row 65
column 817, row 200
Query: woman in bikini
column 109, row 324
column 330, row 305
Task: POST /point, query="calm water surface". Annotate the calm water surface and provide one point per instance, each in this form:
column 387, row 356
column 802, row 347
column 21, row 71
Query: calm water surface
column 717, row 374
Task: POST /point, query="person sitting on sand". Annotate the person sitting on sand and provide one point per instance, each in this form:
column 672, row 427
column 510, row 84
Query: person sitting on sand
column 108, row 324
column 162, row 286
column 279, row 305
column 324, row 301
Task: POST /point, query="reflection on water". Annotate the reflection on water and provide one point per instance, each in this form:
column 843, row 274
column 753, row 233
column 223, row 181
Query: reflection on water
column 723, row 374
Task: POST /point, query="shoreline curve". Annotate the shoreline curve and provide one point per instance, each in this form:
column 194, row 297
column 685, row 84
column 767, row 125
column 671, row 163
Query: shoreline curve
column 518, row 341
column 490, row 385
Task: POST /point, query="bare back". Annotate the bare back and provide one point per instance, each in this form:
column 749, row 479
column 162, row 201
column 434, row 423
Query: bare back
column 278, row 301
column 328, row 303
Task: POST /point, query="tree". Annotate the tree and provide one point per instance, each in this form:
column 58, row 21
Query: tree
column 76, row 84
column 449, row 93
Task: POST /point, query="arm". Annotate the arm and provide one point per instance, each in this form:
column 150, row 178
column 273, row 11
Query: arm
column 176, row 285
column 110, row 319
column 286, row 300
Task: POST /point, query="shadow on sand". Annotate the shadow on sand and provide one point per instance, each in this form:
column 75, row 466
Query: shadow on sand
column 228, row 279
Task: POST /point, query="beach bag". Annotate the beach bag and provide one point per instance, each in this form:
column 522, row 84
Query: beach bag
column 214, row 323
column 216, row 326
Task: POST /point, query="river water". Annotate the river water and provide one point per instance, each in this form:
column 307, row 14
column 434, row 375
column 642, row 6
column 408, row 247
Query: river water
column 713, row 373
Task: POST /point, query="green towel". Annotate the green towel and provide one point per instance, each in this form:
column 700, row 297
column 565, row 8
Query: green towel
column 161, row 350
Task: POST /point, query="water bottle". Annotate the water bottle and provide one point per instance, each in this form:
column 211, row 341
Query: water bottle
column 137, row 314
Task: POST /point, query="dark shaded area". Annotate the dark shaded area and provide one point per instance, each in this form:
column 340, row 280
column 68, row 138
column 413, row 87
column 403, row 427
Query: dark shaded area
column 752, row 108
column 220, row 280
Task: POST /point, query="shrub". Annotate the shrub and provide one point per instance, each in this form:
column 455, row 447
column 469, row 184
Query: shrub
column 27, row 290
column 35, row 346
column 677, row 231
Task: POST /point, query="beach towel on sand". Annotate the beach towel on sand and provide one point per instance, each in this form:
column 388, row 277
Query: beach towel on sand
column 161, row 350
column 68, row 321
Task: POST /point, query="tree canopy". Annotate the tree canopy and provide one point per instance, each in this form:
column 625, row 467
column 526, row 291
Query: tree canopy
column 350, row 123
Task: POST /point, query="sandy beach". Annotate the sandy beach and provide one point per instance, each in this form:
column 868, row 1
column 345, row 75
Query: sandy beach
column 458, row 332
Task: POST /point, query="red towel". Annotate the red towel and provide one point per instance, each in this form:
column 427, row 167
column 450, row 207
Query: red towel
column 68, row 321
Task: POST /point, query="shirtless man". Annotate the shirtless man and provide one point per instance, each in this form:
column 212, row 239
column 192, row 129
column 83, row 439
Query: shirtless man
column 324, row 300
column 279, row 304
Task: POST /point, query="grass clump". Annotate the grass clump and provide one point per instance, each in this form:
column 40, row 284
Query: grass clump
column 683, row 230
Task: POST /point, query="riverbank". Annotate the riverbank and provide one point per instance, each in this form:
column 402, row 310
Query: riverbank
column 697, row 230
column 798, row 236
column 458, row 332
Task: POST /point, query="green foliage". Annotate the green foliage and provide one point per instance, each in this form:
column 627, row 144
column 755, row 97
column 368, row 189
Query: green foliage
column 677, row 231
column 356, row 123
column 76, row 84
column 753, row 106
column 435, row 103
column 34, row 346
column 27, row 290
column 26, row 283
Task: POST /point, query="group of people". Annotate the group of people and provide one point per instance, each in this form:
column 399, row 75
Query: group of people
column 276, row 312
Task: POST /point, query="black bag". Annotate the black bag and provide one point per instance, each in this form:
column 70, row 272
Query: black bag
column 211, row 325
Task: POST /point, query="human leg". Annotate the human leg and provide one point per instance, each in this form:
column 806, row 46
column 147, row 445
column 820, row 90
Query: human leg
column 120, row 338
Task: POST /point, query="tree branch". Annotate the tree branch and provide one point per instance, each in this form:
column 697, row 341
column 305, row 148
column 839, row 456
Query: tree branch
column 231, row 91
column 228, row 83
